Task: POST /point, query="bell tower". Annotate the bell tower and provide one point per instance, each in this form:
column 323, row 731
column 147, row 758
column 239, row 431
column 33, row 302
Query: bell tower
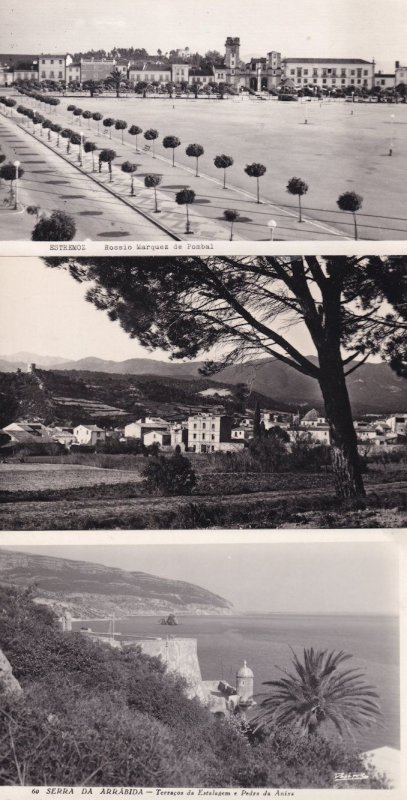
column 232, row 52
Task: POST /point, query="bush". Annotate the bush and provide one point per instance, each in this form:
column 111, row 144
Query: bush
column 169, row 476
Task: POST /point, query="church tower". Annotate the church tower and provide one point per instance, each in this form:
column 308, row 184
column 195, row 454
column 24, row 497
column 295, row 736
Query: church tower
column 232, row 52
column 244, row 685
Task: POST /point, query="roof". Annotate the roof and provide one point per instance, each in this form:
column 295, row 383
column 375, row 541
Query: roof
column 150, row 66
column 90, row 427
column 52, row 55
column 311, row 415
column 327, row 60
column 12, row 58
column 384, row 75
column 200, row 73
column 244, row 672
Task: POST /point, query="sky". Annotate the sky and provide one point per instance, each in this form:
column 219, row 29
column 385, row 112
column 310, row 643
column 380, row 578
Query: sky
column 307, row 578
column 43, row 311
column 330, row 28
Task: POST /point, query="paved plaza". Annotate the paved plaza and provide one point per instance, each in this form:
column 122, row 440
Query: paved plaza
column 334, row 146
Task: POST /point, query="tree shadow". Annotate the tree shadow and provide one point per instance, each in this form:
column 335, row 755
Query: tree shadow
column 72, row 197
column 90, row 213
column 113, row 234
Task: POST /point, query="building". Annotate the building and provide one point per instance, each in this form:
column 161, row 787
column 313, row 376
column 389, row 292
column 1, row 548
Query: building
column 52, row 66
column 138, row 429
column 17, row 66
column 312, row 419
column 73, row 73
column 96, row 69
column 206, row 432
column 179, row 436
column 400, row 74
column 384, row 80
column 329, row 73
column 89, row 434
column 162, row 438
column 150, row 72
column 398, row 424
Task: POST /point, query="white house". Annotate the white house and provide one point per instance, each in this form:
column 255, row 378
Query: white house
column 312, row 419
column 52, row 67
column 206, row 432
column 329, row 73
column 89, row 434
column 138, row 429
column 241, row 432
column 163, row 438
column 398, row 423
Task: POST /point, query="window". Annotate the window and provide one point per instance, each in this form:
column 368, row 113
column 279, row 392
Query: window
column 194, row 435
column 51, row 74
column 43, row 74
column 204, row 425
column 358, row 81
column 323, row 80
column 52, row 60
column 203, row 436
column 315, row 80
column 329, row 71
column 292, row 71
column 352, row 72
column 43, row 61
column 352, row 80
column 60, row 75
column 194, row 425
column 305, row 80
column 213, row 426
column 343, row 80
column 365, row 72
column 213, row 437
column 60, row 60
column 305, row 72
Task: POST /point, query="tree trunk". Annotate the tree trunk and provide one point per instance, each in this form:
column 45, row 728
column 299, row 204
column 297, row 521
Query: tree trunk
column 355, row 225
column 344, row 452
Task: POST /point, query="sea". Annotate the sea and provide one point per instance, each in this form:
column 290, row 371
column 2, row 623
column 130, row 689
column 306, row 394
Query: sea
column 265, row 642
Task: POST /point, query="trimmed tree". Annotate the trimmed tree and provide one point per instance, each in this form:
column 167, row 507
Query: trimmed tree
column 256, row 170
column 130, row 168
column 121, row 125
column 58, row 227
column 223, row 162
column 57, row 129
column 185, row 197
column 134, row 130
column 350, row 201
column 231, row 215
column 151, row 135
column 92, row 86
column 66, row 133
column 108, row 123
column 151, row 182
column 298, row 187
column 107, row 157
column 170, row 143
column 87, row 115
column 97, row 117
column 90, row 147
column 9, row 172
column 195, row 151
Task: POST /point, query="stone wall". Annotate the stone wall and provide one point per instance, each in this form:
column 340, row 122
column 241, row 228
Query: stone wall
column 180, row 656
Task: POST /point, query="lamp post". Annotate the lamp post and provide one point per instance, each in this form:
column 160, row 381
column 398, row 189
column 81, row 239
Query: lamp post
column 272, row 225
column 391, row 134
column 80, row 148
column 16, row 164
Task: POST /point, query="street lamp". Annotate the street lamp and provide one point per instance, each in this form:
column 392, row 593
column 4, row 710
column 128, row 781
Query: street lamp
column 16, row 164
column 80, row 148
column 272, row 225
column 391, row 134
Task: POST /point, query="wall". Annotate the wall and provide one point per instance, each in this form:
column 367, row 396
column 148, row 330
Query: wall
column 180, row 656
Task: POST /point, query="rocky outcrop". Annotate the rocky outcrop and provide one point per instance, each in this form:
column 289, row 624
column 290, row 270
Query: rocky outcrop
column 9, row 685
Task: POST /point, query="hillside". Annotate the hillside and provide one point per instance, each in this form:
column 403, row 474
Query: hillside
column 89, row 590
column 72, row 397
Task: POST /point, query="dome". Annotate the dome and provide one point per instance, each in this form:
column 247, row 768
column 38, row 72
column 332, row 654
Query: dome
column 312, row 415
column 245, row 671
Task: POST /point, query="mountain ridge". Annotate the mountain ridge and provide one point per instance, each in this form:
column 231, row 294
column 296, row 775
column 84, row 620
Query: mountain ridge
column 373, row 387
column 88, row 588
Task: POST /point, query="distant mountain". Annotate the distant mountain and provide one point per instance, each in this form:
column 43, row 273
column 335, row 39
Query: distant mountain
column 372, row 388
column 24, row 357
column 90, row 590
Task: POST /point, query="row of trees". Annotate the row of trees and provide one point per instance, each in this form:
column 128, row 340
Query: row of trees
column 349, row 202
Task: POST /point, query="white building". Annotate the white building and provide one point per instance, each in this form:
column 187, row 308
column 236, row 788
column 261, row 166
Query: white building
column 329, row 73
column 312, row 419
column 318, row 434
column 52, row 67
column 241, row 433
column 89, row 434
column 400, row 74
column 162, row 438
column 398, row 423
column 138, row 429
column 73, row 72
column 385, row 80
column 207, row 432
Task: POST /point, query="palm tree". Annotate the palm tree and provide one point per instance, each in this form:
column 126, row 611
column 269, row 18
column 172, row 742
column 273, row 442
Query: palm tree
column 108, row 122
column 195, row 151
column 121, row 125
column 223, row 162
column 97, row 117
column 135, row 131
column 171, row 142
column 107, row 156
column 151, row 135
column 127, row 166
column 320, row 694
column 90, row 147
column 350, row 201
column 255, row 171
column 231, row 215
column 299, row 187
column 151, row 182
column 116, row 79
column 184, row 198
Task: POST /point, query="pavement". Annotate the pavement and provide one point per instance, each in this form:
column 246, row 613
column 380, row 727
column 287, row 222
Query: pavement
column 206, row 214
column 52, row 182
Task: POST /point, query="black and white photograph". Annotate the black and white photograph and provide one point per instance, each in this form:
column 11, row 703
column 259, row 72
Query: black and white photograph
column 221, row 122
column 224, row 665
column 186, row 393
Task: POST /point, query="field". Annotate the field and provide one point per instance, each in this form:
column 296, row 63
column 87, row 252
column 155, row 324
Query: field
column 40, row 496
column 342, row 147
column 347, row 144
